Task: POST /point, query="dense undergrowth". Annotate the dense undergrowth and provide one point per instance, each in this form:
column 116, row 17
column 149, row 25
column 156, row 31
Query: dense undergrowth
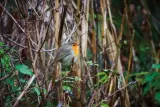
column 118, row 65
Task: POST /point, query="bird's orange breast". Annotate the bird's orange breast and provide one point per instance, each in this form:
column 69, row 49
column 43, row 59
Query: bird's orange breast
column 76, row 49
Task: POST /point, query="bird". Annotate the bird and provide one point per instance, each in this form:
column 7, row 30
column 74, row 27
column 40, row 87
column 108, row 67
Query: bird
column 67, row 52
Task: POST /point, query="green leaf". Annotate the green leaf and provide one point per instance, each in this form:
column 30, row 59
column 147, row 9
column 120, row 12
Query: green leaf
column 37, row 91
column 10, row 81
column 96, row 65
column 24, row 69
column 146, row 88
column 106, row 70
column 140, row 80
column 1, row 43
column 90, row 63
column 125, row 42
column 101, row 73
column 1, row 51
column 157, row 97
column 156, row 66
column 156, row 84
column 23, row 80
column 67, row 88
column 139, row 74
column 150, row 77
column 103, row 77
column 104, row 105
column 44, row 90
column 77, row 79
column 48, row 104
column 95, row 16
column 142, row 49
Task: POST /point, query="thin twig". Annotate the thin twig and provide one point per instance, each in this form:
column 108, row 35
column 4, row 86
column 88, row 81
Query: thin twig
column 106, row 99
column 24, row 91
column 13, row 19
column 34, row 9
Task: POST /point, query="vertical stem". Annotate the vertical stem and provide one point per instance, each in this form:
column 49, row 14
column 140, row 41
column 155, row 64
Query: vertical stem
column 57, row 22
column 104, row 28
column 84, row 38
column 58, row 69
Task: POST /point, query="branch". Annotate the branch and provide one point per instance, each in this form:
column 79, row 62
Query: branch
column 24, row 91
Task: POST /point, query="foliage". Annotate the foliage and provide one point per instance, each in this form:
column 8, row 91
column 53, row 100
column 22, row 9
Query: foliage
column 24, row 69
column 12, row 77
column 5, row 58
column 118, row 39
column 150, row 82
column 104, row 105
column 103, row 77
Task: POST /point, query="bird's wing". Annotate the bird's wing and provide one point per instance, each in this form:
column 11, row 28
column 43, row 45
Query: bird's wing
column 61, row 56
column 61, row 53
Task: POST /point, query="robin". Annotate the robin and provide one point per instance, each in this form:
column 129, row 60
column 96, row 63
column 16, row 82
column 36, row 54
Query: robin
column 64, row 54
column 67, row 52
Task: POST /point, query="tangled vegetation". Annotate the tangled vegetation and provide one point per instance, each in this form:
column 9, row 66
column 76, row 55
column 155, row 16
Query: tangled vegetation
column 118, row 63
